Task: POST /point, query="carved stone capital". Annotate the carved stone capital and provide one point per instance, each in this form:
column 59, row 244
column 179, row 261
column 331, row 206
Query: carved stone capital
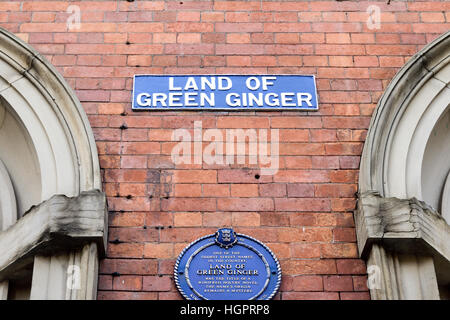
column 58, row 224
column 400, row 225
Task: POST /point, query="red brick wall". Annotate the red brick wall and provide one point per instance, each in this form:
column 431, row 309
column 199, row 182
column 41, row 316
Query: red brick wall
column 304, row 212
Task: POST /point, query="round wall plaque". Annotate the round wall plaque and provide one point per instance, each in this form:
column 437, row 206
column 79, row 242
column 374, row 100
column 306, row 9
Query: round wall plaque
column 227, row 266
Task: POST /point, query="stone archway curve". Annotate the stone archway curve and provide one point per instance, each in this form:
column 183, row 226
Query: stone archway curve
column 403, row 121
column 66, row 226
column 53, row 116
column 402, row 220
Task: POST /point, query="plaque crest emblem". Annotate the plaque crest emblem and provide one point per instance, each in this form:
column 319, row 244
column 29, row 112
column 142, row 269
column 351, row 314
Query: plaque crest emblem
column 226, row 238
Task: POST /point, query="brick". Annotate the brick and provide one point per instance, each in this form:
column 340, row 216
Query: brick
column 140, row 148
column 335, row 190
column 350, row 266
column 114, row 60
column 289, row 60
column 355, row 296
column 308, row 267
column 246, row 219
column 188, row 190
column 216, row 190
column 184, row 234
column 325, row 162
column 304, row 234
column 239, row 49
column 170, row 296
column 216, row 219
column 365, row 61
column 238, row 27
column 413, row 39
column 289, row 49
column 344, row 235
column 89, row 60
column 158, row 250
column 298, row 162
column 238, row 38
column 296, row 122
column 272, row 190
column 247, row 204
column 306, row 204
column 244, row 190
column 281, row 250
column 315, row 61
column 213, row 37
column 133, row 189
column 10, row 6
column 429, row 6
column 135, row 134
column 344, row 176
column 341, row 61
column 262, row 37
column 338, row 283
column 337, row 38
column 214, row 61
column 212, row 16
column 302, row 176
column 123, row 204
column 310, row 296
column 284, row 6
column 188, row 204
column 343, row 204
column 390, row 50
column 188, row 61
column 238, row 61
column 274, row 219
column 125, row 250
column 237, row 17
column 157, row 283
column 127, row 283
column 360, row 283
column 300, row 190
column 305, row 251
column 132, row 234
column 187, row 219
column 104, row 282
column 241, row 176
column 236, row 5
column 387, row 38
column 307, row 283
column 109, row 161
column 139, row 60
column 64, row 60
column 164, row 60
column 114, row 295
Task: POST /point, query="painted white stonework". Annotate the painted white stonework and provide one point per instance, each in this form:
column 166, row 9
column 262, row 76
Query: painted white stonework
column 47, row 148
column 404, row 194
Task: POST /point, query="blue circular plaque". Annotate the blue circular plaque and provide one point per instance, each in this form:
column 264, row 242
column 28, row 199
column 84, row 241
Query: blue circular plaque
column 227, row 266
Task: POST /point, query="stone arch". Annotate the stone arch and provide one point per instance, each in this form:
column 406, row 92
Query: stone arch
column 49, row 154
column 403, row 193
column 53, row 117
column 403, row 121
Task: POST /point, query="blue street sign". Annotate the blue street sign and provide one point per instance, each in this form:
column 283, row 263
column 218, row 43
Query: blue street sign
column 225, row 92
column 227, row 266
